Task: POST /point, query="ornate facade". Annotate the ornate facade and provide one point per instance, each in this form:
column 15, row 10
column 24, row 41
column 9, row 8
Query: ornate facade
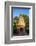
column 20, row 23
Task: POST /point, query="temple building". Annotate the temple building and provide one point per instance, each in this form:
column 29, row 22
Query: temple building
column 20, row 23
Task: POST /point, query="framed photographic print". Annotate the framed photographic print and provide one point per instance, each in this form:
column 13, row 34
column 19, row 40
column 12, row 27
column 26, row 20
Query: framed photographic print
column 19, row 22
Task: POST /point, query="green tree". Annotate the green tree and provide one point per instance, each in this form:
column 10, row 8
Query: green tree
column 14, row 21
column 26, row 19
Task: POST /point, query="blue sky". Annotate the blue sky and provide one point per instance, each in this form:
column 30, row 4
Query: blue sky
column 18, row 11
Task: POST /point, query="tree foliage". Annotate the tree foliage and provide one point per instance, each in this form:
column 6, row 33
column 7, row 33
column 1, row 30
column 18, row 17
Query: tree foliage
column 26, row 19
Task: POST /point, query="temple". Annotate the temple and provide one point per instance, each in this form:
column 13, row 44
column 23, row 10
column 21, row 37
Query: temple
column 20, row 24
